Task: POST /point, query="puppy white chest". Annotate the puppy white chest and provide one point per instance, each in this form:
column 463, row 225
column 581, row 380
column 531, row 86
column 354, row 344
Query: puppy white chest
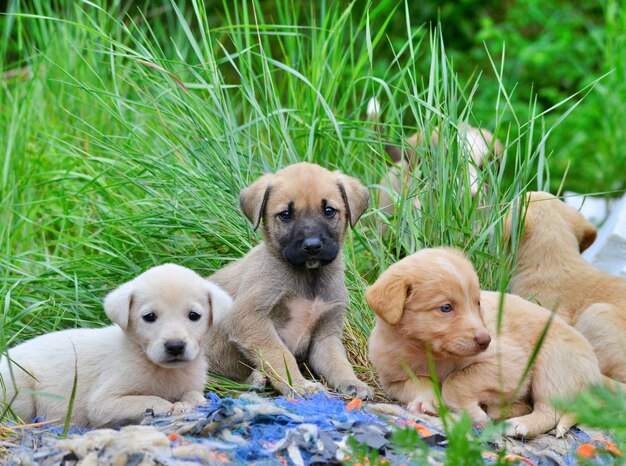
column 303, row 317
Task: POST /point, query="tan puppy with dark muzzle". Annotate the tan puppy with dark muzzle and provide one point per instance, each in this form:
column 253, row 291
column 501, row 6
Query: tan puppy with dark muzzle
column 289, row 291
column 551, row 271
column 431, row 301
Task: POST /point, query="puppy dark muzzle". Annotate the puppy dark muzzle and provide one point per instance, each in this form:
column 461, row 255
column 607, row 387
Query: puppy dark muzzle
column 312, row 251
column 312, row 245
column 175, row 347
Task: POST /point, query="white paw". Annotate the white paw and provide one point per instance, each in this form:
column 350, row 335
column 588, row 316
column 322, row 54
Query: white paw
column 256, row 380
column 423, row 406
column 355, row 389
column 160, row 407
column 306, row 388
column 181, row 407
column 561, row 431
column 515, row 428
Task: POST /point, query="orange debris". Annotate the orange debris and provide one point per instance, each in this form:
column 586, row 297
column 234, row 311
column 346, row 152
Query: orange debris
column 587, row 450
column 355, row 404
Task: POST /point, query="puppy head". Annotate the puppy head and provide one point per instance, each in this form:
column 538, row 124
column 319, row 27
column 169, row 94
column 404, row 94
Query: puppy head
column 305, row 211
column 549, row 219
column 433, row 298
column 168, row 310
column 479, row 143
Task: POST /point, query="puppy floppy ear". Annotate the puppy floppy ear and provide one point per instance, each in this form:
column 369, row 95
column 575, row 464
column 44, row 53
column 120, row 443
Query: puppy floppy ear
column 586, row 236
column 584, row 230
column 220, row 302
column 356, row 197
column 387, row 296
column 254, row 198
column 118, row 302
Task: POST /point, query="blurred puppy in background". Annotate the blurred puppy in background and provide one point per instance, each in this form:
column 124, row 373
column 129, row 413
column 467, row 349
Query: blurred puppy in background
column 478, row 145
column 152, row 359
column 551, row 271
column 431, row 301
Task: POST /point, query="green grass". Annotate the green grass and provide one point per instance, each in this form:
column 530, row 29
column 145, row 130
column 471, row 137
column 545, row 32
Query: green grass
column 128, row 132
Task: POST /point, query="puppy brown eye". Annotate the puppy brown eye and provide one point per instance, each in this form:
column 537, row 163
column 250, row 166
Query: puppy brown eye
column 446, row 308
column 285, row 215
column 193, row 315
column 149, row 317
column 329, row 212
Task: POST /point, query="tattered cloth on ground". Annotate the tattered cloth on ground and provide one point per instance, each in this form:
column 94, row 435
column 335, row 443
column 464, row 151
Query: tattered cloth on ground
column 277, row 431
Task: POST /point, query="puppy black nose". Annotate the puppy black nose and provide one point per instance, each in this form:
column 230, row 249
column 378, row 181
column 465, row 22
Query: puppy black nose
column 175, row 347
column 482, row 340
column 312, row 244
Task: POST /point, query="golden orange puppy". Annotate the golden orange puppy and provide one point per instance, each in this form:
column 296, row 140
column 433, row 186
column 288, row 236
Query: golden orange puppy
column 432, row 301
column 551, row 271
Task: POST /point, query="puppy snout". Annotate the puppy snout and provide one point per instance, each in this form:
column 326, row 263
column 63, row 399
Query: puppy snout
column 482, row 340
column 312, row 244
column 175, row 347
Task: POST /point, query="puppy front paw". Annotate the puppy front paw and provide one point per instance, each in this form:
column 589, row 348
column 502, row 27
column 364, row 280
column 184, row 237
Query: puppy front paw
column 423, row 406
column 181, row 407
column 515, row 428
column 306, row 388
column 257, row 381
column 355, row 389
column 161, row 407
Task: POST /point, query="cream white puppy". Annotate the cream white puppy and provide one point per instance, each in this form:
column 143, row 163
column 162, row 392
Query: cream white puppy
column 152, row 359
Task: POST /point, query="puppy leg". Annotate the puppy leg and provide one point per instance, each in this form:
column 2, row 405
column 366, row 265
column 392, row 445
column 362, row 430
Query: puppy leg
column 419, row 394
column 12, row 382
column 481, row 390
column 260, row 343
column 565, row 365
column 566, row 422
column 465, row 389
column 603, row 327
column 256, row 380
column 499, row 411
column 328, row 358
column 124, row 409
column 543, row 419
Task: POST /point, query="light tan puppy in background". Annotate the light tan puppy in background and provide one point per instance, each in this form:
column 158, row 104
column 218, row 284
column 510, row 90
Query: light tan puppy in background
column 152, row 359
column 478, row 144
column 431, row 301
column 289, row 291
column 551, row 271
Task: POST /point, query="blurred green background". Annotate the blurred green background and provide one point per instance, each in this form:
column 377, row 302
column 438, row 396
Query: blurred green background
column 551, row 49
